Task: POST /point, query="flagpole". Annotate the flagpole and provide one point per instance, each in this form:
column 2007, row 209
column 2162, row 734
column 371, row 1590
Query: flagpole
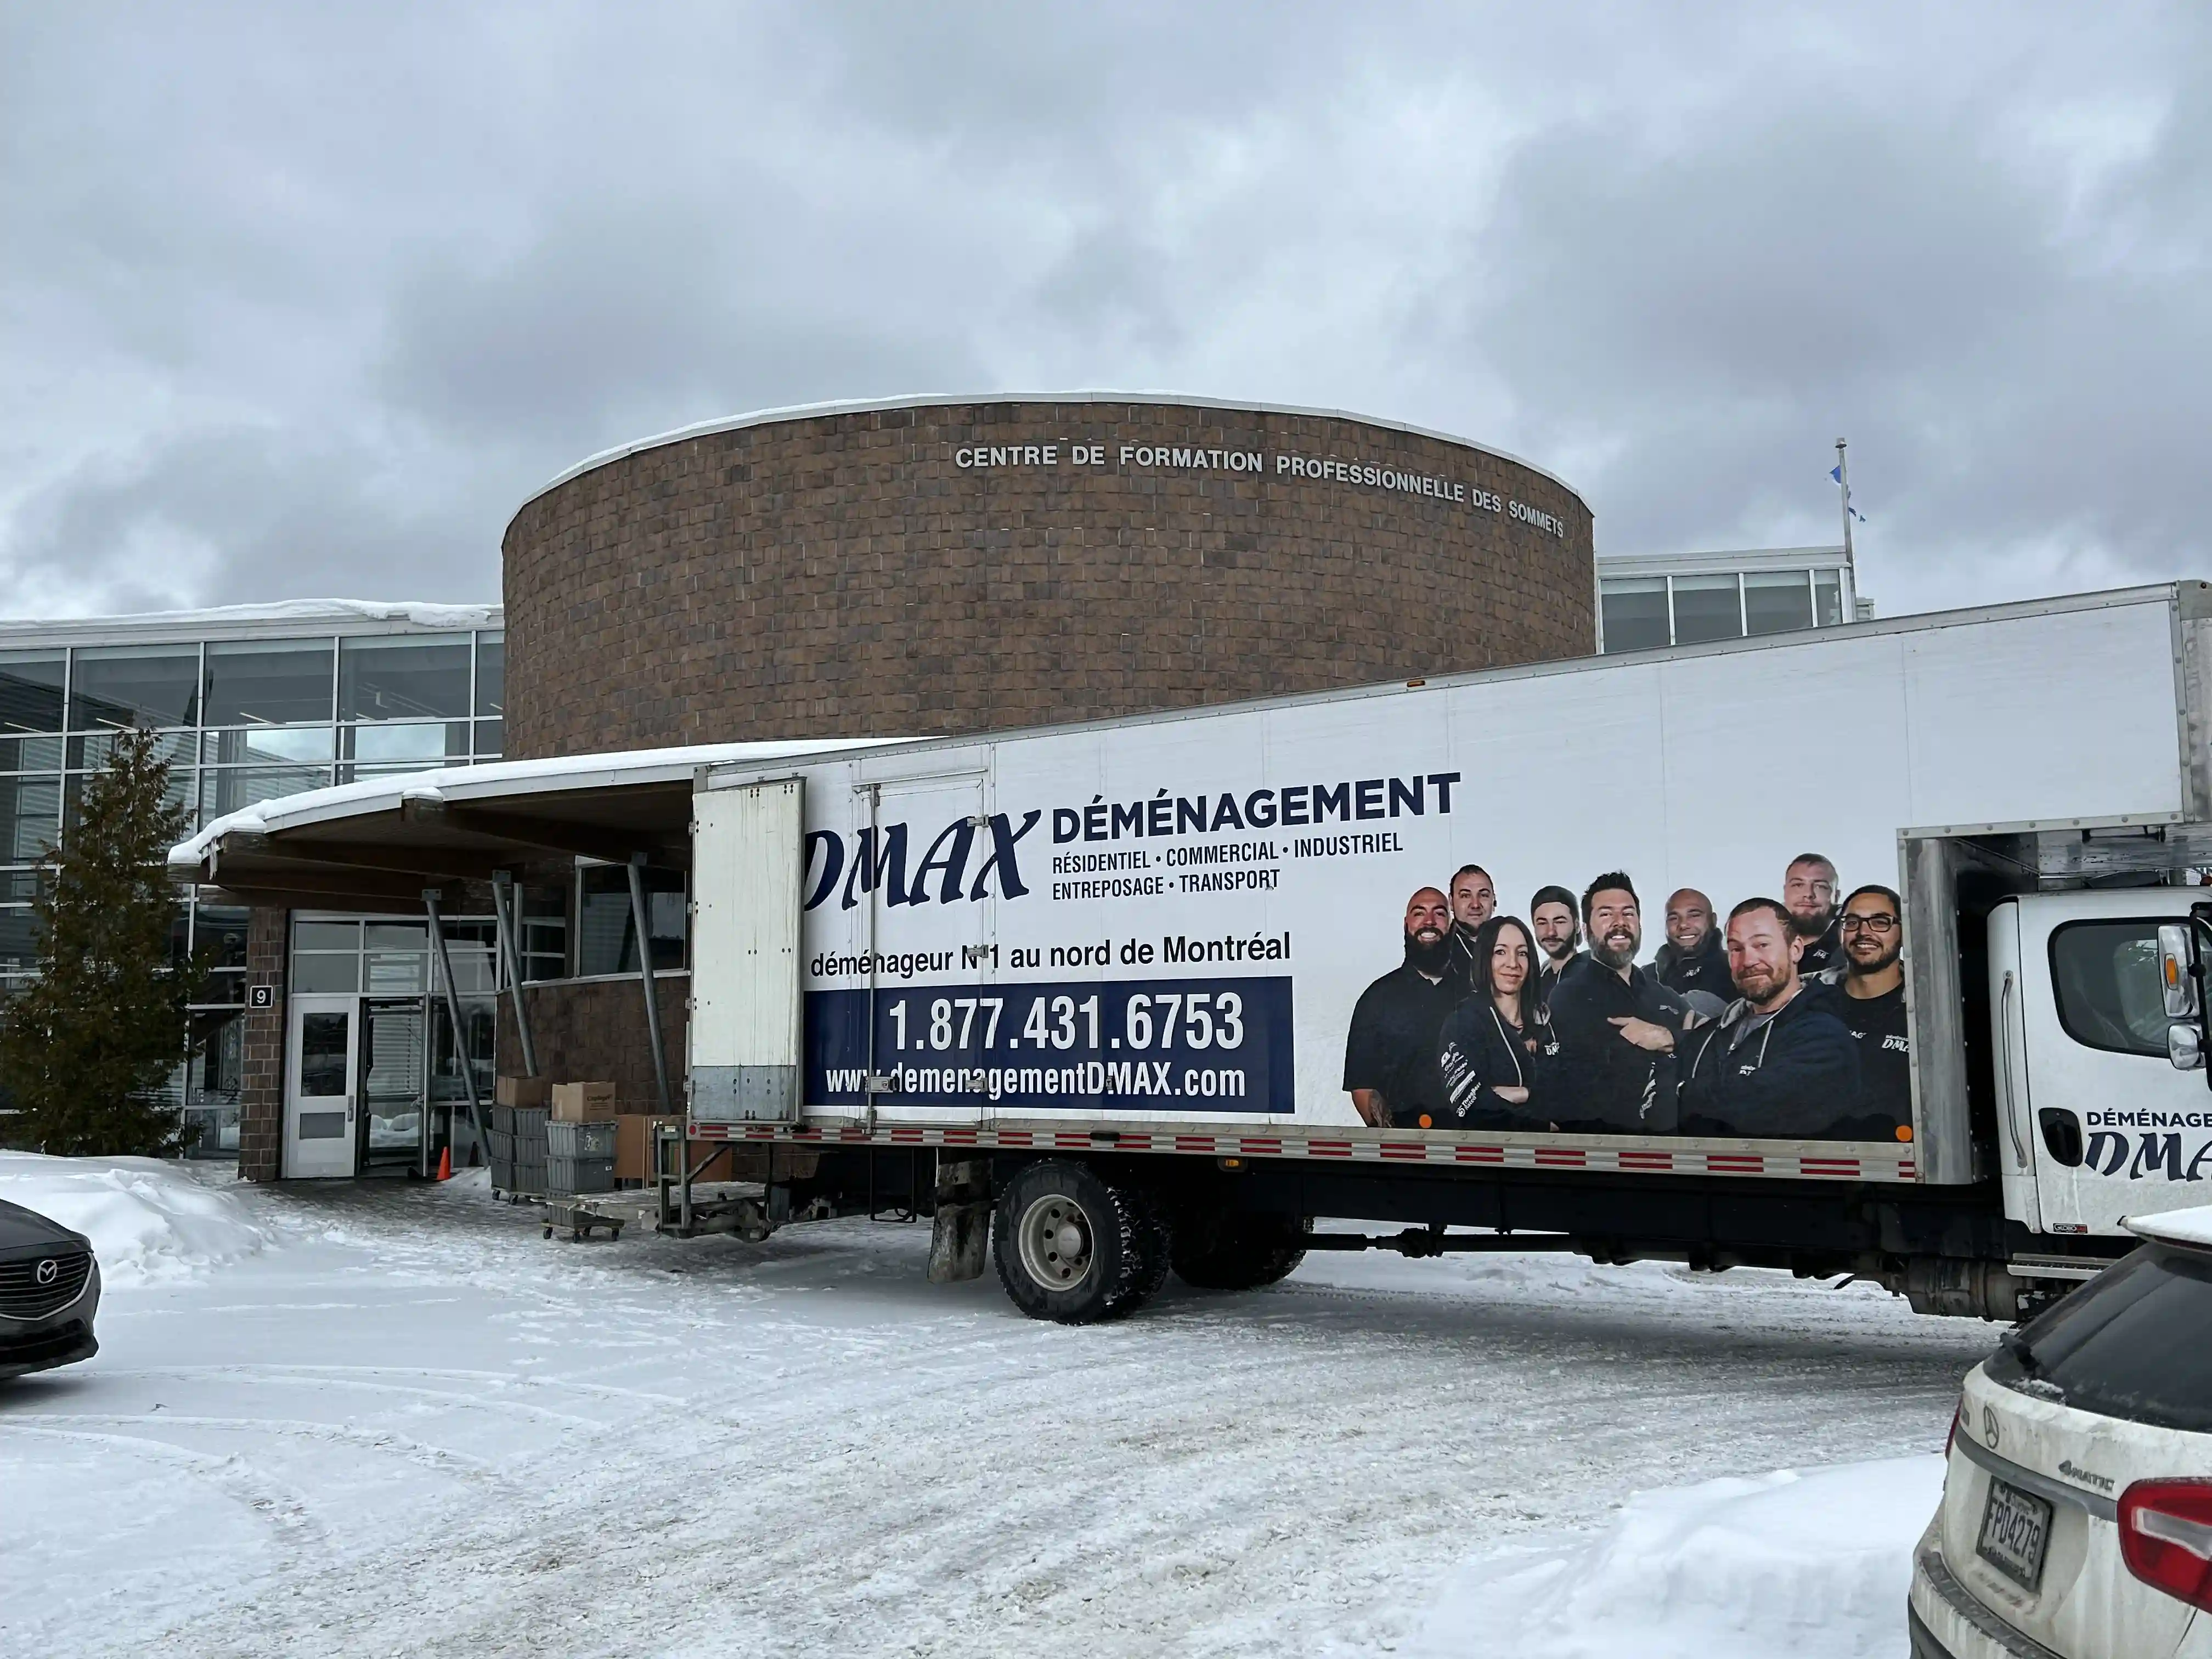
column 1843, row 479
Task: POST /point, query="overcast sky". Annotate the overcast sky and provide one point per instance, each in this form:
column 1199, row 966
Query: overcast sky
column 301, row 301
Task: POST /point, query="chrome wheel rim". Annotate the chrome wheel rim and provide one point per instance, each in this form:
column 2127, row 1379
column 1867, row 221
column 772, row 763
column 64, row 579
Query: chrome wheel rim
column 1054, row 1236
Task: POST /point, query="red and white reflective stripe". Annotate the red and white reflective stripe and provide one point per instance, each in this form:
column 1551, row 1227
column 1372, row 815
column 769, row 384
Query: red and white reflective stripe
column 1373, row 1146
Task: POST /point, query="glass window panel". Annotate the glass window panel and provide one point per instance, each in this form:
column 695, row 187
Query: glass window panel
column 181, row 936
column 326, row 972
column 325, row 1040
column 31, row 690
column 297, row 745
column 473, row 970
column 414, row 676
column 491, row 737
column 268, row 682
column 229, row 789
column 606, row 942
column 426, row 745
column 544, row 934
column 90, row 752
column 479, row 1014
column 491, row 673
column 19, row 939
column 19, row 886
column 211, row 1089
column 220, row 930
column 327, row 936
column 1777, row 601
column 398, row 935
column 1828, row 598
column 135, row 685
column 347, row 774
column 1706, row 608
column 2110, row 992
column 1634, row 611
column 226, row 989
column 30, row 753
column 30, row 818
column 397, row 973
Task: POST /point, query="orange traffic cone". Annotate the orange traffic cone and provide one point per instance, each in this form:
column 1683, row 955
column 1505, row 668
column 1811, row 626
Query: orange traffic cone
column 446, row 1163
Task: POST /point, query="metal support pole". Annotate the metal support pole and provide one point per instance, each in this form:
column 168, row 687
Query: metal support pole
column 1844, row 483
column 453, row 1010
column 638, row 921
column 506, row 899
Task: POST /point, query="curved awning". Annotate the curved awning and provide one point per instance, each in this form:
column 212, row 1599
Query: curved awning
column 382, row 840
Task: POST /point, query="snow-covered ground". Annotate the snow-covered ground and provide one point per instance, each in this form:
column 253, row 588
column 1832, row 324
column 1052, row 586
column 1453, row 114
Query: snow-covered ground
column 392, row 1419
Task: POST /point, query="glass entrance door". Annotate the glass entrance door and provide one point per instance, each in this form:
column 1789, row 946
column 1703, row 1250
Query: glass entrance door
column 322, row 1078
column 392, row 1118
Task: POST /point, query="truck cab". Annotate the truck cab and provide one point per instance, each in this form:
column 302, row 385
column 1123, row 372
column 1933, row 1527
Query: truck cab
column 2095, row 1120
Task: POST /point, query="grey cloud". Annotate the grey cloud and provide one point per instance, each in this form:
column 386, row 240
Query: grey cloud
column 303, row 301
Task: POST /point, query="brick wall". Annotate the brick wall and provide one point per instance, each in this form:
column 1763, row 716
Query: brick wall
column 593, row 1031
column 844, row 575
column 261, row 1082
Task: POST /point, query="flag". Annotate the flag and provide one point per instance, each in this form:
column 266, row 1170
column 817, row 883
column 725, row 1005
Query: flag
column 1837, row 473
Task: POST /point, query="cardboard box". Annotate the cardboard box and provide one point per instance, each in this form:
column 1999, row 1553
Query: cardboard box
column 522, row 1091
column 633, row 1133
column 583, row 1103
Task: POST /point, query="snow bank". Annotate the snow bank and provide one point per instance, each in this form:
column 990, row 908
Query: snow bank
column 148, row 1221
column 1813, row 1565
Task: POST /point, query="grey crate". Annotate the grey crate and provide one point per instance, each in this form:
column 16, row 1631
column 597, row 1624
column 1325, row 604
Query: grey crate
column 567, row 1176
column 529, row 1127
column 499, row 1144
column 502, row 1120
column 580, row 1139
column 529, row 1175
column 502, row 1174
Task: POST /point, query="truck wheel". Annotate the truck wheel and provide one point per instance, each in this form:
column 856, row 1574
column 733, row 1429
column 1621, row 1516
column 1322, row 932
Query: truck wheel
column 1240, row 1252
column 1072, row 1247
column 1157, row 1239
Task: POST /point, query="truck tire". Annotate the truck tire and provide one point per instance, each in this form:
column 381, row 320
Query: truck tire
column 1157, row 1243
column 1074, row 1248
column 1240, row 1252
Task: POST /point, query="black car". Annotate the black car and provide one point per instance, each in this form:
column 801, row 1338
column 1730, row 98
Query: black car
column 49, row 1292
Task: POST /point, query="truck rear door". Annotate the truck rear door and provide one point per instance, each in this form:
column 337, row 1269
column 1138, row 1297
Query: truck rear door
column 2112, row 1127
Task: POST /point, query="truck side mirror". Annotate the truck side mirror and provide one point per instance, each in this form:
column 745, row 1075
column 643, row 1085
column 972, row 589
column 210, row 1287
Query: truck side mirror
column 2183, row 1047
column 2179, row 984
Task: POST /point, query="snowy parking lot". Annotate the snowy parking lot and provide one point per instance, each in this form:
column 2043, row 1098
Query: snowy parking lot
column 392, row 1419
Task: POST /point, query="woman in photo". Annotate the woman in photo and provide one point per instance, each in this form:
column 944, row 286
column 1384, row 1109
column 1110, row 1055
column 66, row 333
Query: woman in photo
column 1498, row 1042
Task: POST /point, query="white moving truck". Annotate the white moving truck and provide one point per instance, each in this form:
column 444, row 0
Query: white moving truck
column 1141, row 993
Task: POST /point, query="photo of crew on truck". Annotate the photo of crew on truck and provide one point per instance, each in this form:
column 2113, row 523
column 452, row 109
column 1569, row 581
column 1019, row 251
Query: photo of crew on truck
column 1786, row 1021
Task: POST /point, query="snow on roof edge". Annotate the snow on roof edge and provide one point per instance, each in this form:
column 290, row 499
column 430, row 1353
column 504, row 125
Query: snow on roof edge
column 380, row 794
column 422, row 613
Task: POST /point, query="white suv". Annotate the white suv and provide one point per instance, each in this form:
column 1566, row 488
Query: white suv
column 2076, row 1521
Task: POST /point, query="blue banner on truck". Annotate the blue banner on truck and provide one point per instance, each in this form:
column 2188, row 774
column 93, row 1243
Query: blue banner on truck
column 1205, row 1046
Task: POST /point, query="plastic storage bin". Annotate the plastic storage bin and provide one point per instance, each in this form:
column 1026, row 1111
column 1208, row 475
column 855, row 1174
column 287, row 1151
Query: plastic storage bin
column 565, row 1177
column 580, row 1141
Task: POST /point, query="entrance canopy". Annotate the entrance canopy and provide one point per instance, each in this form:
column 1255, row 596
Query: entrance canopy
column 378, row 844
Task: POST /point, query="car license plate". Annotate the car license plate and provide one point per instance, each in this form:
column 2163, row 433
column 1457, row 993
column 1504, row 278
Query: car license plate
column 2015, row 1529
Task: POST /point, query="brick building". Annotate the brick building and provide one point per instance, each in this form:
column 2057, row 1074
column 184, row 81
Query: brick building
column 911, row 568
column 943, row 566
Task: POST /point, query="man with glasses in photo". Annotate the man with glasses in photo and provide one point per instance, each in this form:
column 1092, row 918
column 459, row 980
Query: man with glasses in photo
column 1872, row 1008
